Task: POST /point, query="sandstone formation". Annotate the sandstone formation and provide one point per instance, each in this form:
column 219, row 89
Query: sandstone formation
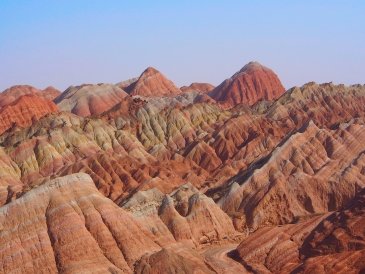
column 326, row 104
column 71, row 228
column 116, row 160
column 311, row 163
column 87, row 100
column 200, row 87
column 24, row 110
column 251, row 84
column 152, row 83
column 276, row 249
column 332, row 243
column 173, row 260
column 183, row 215
column 13, row 93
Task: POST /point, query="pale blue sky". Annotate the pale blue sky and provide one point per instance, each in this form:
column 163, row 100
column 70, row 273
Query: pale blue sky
column 70, row 42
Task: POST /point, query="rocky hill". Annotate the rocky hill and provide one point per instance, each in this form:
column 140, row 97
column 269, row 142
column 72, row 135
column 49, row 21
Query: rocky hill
column 254, row 82
column 87, row 100
column 152, row 83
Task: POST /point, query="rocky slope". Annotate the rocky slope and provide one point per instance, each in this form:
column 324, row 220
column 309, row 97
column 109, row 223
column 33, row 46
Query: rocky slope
column 251, row 84
column 184, row 215
column 116, row 160
column 73, row 228
column 332, row 243
column 313, row 171
column 87, row 100
column 152, row 83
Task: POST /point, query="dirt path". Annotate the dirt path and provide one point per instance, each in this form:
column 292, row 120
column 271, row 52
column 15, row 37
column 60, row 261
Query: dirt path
column 217, row 258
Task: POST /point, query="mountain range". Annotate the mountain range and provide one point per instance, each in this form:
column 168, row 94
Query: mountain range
column 142, row 176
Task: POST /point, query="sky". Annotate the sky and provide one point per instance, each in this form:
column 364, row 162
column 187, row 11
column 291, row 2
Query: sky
column 71, row 42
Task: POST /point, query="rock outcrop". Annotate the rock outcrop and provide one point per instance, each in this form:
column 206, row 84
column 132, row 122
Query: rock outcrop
column 87, row 100
column 251, row 84
column 152, row 83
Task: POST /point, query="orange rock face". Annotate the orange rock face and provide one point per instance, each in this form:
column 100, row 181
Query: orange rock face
column 251, row 84
column 151, row 83
column 24, row 110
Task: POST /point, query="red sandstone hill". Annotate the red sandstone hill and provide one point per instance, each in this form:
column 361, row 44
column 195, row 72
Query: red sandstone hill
column 201, row 87
column 86, row 100
column 13, row 93
column 24, row 110
column 252, row 83
column 152, row 83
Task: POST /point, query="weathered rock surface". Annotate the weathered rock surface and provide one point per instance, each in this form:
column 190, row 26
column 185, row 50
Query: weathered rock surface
column 313, row 171
column 184, row 215
column 152, row 83
column 276, row 249
column 332, row 243
column 67, row 226
column 326, row 104
column 251, row 84
column 87, row 100
column 173, row 260
column 116, row 160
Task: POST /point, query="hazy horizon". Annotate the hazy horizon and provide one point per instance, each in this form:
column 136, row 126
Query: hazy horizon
column 59, row 44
